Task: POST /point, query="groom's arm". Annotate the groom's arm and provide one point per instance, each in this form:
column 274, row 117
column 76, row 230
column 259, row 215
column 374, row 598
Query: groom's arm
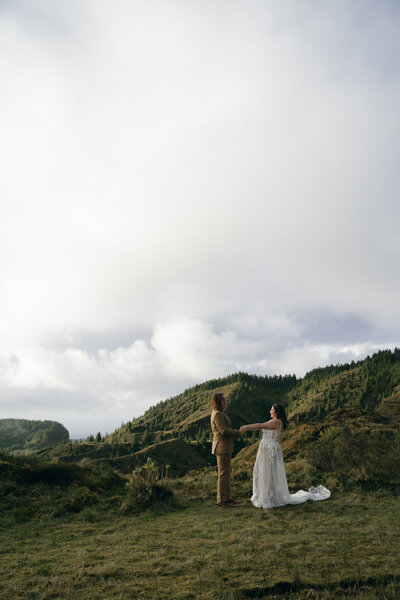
column 222, row 426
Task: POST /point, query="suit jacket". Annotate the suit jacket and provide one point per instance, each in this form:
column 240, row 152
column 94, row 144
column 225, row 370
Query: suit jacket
column 223, row 434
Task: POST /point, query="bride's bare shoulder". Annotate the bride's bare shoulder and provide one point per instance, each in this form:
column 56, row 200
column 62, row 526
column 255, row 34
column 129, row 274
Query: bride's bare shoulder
column 271, row 424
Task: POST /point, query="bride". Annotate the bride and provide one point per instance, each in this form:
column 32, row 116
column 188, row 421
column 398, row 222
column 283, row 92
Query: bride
column 270, row 487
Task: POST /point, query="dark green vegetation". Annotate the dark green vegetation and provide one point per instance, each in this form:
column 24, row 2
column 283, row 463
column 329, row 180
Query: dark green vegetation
column 22, row 434
column 369, row 385
column 178, row 454
column 76, row 522
column 32, row 488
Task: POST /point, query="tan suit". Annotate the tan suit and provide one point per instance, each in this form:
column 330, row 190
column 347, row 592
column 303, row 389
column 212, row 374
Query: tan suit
column 222, row 447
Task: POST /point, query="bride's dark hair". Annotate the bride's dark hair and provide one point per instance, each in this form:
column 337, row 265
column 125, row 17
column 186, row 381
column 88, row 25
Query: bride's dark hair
column 280, row 413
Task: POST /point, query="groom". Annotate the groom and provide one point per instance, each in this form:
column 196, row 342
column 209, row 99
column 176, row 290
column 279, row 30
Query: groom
column 222, row 447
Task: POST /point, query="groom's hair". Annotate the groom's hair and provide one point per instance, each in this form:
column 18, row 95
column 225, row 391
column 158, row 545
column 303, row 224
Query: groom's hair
column 216, row 400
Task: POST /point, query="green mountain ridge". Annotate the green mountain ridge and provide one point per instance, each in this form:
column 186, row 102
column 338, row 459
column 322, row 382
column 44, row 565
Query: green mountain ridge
column 25, row 434
column 188, row 414
column 361, row 397
column 368, row 385
column 183, row 419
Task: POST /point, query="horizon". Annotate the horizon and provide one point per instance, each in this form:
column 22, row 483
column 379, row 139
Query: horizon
column 83, row 437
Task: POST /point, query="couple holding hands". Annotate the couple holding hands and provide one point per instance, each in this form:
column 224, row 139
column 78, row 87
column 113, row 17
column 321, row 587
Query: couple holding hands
column 270, row 488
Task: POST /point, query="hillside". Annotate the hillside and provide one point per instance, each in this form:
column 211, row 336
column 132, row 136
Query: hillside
column 365, row 393
column 344, row 421
column 369, row 385
column 343, row 408
column 188, row 414
column 183, row 420
column 23, row 434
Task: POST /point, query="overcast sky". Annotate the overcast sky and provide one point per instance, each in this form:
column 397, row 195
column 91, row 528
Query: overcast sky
column 188, row 189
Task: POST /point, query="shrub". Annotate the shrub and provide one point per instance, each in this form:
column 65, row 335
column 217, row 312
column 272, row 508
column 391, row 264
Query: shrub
column 369, row 458
column 301, row 474
column 28, row 470
column 75, row 500
column 147, row 485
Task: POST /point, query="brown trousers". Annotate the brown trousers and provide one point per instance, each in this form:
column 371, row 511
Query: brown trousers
column 224, row 477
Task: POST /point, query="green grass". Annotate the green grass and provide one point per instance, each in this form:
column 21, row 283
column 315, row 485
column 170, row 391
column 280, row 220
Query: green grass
column 344, row 547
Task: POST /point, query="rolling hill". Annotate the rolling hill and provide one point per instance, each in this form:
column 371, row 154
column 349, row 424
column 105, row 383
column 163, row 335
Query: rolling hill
column 188, row 415
column 183, row 420
column 347, row 407
column 372, row 384
column 23, row 434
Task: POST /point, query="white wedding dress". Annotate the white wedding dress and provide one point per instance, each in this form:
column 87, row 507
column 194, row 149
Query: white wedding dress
column 270, row 486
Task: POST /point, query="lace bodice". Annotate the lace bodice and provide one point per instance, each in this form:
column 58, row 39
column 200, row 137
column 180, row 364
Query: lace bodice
column 271, row 436
column 270, row 442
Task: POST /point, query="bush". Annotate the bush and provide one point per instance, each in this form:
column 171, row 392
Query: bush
column 31, row 487
column 301, row 474
column 368, row 458
column 147, row 485
column 76, row 500
column 28, row 470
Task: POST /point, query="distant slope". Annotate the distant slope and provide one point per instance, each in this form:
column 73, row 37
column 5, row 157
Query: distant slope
column 23, row 434
column 372, row 384
column 187, row 415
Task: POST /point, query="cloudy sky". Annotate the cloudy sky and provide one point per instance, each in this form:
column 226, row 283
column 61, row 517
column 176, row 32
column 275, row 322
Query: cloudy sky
column 188, row 189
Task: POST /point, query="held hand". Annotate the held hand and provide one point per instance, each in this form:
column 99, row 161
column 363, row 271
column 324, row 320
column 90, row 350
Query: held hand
column 243, row 429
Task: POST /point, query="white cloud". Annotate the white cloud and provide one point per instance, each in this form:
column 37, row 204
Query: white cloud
column 186, row 185
column 99, row 390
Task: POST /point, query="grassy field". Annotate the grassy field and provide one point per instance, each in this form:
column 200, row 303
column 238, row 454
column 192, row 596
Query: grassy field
column 345, row 547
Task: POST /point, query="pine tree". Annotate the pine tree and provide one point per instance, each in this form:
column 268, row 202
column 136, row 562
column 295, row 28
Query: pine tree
column 146, row 439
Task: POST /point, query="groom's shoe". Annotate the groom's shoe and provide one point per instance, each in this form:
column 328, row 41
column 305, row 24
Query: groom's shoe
column 233, row 501
column 224, row 504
